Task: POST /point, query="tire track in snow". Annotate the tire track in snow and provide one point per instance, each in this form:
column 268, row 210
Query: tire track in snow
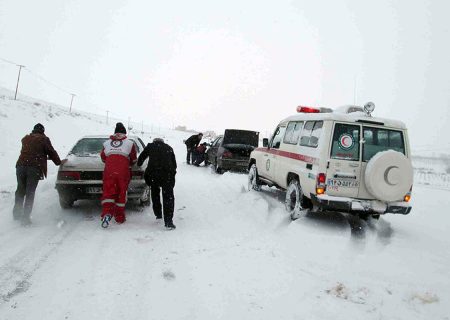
column 16, row 273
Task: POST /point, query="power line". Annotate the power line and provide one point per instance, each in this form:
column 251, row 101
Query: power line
column 47, row 81
column 7, row 61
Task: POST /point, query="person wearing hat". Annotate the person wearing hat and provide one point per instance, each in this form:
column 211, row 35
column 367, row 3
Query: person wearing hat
column 192, row 143
column 160, row 175
column 118, row 154
column 30, row 168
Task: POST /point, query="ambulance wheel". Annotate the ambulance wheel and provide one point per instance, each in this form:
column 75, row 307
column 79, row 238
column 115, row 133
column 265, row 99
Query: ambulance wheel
column 294, row 202
column 253, row 179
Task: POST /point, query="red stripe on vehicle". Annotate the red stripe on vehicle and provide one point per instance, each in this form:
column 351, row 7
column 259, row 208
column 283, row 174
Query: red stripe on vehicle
column 290, row 155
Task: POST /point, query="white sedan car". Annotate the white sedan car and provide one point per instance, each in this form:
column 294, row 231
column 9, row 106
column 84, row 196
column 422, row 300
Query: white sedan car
column 80, row 175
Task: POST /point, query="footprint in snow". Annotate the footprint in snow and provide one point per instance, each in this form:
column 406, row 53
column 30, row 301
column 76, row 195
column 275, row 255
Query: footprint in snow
column 169, row 275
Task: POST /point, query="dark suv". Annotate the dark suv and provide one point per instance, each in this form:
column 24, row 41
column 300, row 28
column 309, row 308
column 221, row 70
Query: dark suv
column 232, row 150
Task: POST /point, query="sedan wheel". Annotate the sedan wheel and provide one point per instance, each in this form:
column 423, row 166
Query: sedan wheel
column 144, row 201
column 65, row 202
column 217, row 168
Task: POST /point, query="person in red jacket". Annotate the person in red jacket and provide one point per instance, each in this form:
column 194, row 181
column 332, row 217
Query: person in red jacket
column 118, row 154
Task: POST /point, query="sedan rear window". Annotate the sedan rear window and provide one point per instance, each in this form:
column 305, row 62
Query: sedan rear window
column 88, row 146
column 380, row 139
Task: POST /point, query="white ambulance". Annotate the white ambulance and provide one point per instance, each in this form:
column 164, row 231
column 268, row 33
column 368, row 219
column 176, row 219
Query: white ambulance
column 337, row 160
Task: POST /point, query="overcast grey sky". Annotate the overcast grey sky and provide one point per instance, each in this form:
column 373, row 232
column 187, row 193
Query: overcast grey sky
column 236, row 64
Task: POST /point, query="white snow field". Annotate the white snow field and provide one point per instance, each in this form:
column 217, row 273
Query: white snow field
column 234, row 255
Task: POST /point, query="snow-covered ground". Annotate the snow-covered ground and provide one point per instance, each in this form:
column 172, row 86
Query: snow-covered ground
column 234, row 255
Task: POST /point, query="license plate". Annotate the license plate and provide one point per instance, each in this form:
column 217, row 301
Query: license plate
column 343, row 183
column 94, row 190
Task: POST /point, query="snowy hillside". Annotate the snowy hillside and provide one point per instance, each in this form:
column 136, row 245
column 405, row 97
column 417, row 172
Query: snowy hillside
column 234, row 255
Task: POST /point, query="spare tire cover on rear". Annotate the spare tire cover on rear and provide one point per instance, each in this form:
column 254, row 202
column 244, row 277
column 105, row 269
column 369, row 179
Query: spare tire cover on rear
column 389, row 176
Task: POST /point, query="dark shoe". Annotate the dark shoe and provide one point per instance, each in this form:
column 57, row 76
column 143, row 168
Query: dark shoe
column 105, row 221
column 25, row 221
column 170, row 225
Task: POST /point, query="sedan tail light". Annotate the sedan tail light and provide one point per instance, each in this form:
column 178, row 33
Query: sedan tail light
column 137, row 175
column 227, row 154
column 69, row 175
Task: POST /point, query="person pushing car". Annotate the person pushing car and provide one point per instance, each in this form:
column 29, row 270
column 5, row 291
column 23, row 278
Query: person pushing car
column 118, row 154
column 160, row 174
column 30, row 168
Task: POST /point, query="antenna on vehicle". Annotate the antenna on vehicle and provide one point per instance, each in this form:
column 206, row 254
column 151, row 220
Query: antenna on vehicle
column 369, row 107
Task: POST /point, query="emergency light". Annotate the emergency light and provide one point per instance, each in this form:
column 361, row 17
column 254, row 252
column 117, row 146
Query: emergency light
column 304, row 109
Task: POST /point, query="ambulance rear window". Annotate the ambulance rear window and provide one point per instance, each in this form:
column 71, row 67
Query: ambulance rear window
column 345, row 142
column 380, row 139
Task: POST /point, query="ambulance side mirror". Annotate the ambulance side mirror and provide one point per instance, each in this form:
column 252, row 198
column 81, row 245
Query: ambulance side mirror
column 265, row 142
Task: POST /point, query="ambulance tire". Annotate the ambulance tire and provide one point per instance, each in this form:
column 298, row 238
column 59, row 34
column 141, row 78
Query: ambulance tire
column 253, row 179
column 294, row 200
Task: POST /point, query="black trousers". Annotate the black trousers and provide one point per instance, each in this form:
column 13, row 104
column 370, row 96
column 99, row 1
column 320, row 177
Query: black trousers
column 198, row 158
column 27, row 181
column 165, row 184
column 189, row 154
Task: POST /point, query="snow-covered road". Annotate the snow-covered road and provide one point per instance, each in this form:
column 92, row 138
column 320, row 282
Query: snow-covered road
column 234, row 255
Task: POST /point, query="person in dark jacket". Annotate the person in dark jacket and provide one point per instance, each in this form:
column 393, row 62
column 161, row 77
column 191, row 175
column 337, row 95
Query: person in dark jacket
column 192, row 143
column 160, row 174
column 30, row 168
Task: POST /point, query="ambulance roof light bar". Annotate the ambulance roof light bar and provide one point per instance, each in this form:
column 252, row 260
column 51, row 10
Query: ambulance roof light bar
column 305, row 109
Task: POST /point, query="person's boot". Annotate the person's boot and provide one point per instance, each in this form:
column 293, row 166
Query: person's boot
column 25, row 220
column 170, row 225
column 17, row 213
column 105, row 220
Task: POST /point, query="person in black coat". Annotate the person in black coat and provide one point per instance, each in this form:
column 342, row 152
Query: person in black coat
column 191, row 143
column 160, row 174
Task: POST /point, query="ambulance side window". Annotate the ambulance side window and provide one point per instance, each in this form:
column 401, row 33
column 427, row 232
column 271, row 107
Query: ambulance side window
column 311, row 134
column 277, row 138
column 297, row 131
column 293, row 132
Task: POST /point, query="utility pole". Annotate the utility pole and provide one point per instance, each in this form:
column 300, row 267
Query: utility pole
column 107, row 117
column 18, row 79
column 71, row 101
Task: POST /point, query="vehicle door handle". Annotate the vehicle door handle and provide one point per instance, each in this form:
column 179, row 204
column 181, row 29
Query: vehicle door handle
column 354, row 165
column 266, row 155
